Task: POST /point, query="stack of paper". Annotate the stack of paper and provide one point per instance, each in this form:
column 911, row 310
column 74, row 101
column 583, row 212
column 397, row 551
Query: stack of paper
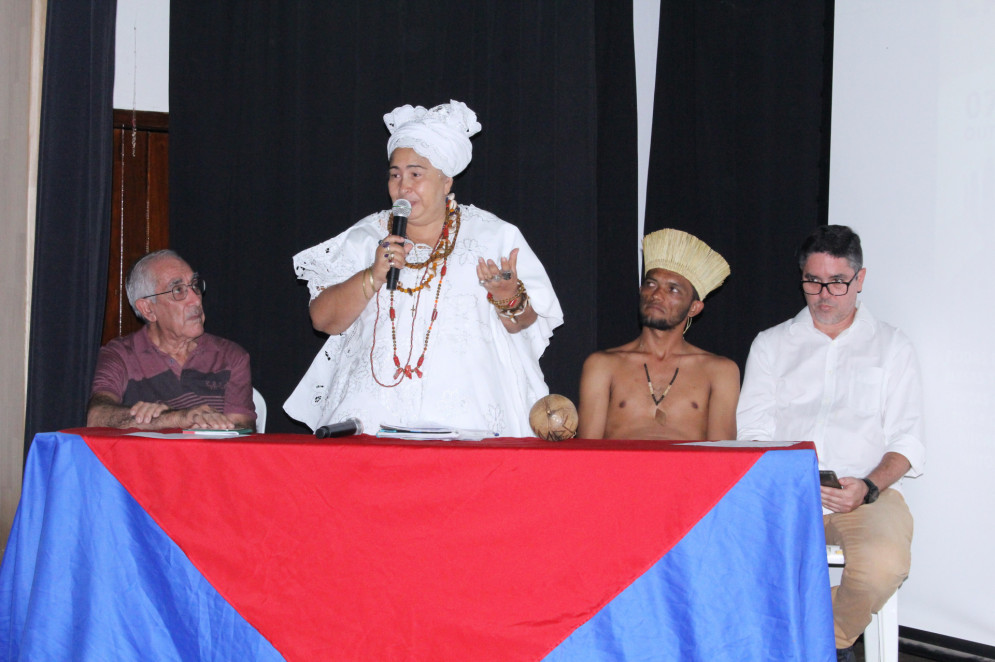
column 193, row 433
column 390, row 431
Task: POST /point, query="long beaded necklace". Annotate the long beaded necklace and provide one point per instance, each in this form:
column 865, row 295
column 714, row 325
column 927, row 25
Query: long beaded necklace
column 660, row 416
column 443, row 247
column 436, row 264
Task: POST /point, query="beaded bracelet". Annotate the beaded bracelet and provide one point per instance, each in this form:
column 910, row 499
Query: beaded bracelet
column 503, row 304
column 517, row 306
column 513, row 313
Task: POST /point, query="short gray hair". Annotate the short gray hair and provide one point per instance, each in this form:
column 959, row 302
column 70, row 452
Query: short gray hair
column 141, row 282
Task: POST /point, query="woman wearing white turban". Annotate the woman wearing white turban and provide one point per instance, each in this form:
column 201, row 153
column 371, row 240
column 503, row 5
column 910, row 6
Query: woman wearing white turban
column 457, row 343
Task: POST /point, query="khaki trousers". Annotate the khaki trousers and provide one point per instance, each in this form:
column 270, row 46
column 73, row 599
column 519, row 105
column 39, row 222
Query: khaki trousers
column 876, row 539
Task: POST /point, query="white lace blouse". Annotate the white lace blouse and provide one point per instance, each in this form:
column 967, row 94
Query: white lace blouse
column 476, row 375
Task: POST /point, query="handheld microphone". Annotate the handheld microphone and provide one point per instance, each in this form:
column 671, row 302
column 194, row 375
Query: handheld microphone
column 401, row 210
column 347, row 428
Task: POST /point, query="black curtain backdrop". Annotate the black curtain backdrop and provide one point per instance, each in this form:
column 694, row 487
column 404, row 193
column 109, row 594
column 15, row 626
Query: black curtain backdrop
column 277, row 142
column 72, row 231
column 740, row 150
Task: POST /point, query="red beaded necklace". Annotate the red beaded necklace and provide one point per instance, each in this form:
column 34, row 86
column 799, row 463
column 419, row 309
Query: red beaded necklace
column 436, row 264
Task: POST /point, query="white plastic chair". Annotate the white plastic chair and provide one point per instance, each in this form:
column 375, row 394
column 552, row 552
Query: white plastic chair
column 260, row 403
column 881, row 635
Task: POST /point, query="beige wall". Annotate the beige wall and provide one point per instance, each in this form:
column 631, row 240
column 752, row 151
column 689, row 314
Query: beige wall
column 21, row 36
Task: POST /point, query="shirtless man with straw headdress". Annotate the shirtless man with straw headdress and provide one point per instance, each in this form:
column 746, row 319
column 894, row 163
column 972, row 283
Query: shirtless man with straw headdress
column 659, row 386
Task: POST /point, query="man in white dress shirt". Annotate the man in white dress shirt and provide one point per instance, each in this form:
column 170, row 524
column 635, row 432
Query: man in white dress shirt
column 837, row 376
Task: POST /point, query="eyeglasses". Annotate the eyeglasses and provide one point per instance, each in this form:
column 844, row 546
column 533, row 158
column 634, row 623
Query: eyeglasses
column 837, row 287
column 179, row 292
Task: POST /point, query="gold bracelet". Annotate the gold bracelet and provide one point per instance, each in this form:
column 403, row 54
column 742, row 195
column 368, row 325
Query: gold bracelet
column 369, row 275
column 502, row 304
column 366, row 273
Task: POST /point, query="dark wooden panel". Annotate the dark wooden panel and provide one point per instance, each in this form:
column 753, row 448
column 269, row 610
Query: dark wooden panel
column 158, row 189
column 140, row 214
column 144, row 120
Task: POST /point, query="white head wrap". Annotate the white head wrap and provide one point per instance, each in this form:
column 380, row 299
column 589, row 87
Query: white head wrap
column 441, row 135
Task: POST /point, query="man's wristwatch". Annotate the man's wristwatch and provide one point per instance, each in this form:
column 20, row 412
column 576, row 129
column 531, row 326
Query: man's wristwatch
column 872, row 491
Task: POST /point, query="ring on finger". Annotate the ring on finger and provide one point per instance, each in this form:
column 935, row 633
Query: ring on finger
column 506, row 275
column 482, row 281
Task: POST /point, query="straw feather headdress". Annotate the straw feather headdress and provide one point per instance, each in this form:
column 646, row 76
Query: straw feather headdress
column 686, row 255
